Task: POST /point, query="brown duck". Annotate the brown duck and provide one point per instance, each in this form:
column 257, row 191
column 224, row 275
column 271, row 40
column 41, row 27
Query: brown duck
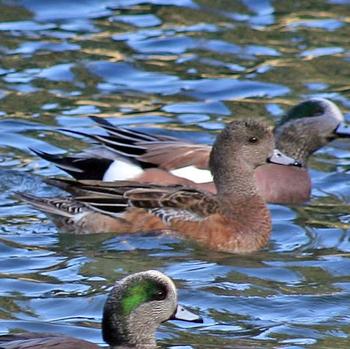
column 234, row 220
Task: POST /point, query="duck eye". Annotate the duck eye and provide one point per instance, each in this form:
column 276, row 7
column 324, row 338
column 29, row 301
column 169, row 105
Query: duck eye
column 160, row 295
column 253, row 140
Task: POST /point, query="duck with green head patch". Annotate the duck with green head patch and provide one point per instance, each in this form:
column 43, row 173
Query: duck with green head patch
column 134, row 309
column 137, row 305
column 127, row 154
column 235, row 220
column 141, row 292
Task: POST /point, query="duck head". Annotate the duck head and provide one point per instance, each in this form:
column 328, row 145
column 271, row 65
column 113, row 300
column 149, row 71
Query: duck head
column 238, row 150
column 137, row 305
column 309, row 126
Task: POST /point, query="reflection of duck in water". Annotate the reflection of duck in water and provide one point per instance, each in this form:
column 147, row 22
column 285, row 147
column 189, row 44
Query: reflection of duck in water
column 134, row 309
column 132, row 155
column 234, row 220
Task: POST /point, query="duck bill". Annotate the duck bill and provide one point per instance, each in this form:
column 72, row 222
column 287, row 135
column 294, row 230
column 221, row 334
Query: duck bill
column 183, row 314
column 281, row 159
column 342, row 130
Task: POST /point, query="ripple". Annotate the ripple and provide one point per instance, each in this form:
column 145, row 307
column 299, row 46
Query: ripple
column 67, row 10
column 60, row 72
column 126, row 76
column 179, row 3
column 174, row 45
column 322, row 51
column 326, row 24
column 180, row 69
column 147, row 20
column 26, row 26
column 202, row 107
column 226, row 89
column 33, row 47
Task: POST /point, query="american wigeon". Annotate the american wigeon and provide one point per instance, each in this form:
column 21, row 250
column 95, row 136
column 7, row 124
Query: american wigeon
column 134, row 309
column 235, row 220
column 132, row 155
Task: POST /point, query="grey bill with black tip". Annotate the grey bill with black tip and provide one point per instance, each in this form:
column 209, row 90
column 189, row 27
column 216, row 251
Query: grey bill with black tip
column 281, row 159
column 342, row 130
column 183, row 314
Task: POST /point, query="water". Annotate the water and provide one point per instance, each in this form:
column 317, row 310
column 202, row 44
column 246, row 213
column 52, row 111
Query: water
column 181, row 70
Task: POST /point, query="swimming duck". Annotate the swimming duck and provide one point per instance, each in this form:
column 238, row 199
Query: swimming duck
column 235, row 220
column 134, row 309
column 132, row 155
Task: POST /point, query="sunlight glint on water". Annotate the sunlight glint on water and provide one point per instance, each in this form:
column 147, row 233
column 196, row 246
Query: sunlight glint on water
column 181, row 70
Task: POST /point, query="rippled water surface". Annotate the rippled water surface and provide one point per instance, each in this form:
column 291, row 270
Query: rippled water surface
column 179, row 68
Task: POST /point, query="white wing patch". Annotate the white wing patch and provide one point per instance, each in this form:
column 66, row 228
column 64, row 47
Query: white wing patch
column 194, row 174
column 168, row 214
column 122, row 170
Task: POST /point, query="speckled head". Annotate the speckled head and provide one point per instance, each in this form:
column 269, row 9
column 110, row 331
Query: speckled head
column 314, row 107
column 308, row 126
column 136, row 306
column 240, row 148
column 250, row 141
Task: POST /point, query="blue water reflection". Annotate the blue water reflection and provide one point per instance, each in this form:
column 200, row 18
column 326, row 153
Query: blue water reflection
column 184, row 69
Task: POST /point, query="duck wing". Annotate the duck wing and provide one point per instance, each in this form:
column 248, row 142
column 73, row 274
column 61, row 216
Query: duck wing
column 174, row 203
column 43, row 340
column 166, row 202
column 150, row 149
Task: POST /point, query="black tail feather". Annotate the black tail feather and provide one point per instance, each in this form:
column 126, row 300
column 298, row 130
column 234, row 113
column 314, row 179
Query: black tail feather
column 78, row 167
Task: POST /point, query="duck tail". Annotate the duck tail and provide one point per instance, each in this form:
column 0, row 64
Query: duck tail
column 62, row 207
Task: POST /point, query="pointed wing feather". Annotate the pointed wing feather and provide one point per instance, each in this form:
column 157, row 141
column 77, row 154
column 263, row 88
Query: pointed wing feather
column 187, row 204
column 152, row 149
column 112, row 205
column 79, row 166
column 71, row 208
column 182, row 154
column 65, row 207
column 167, row 202
column 121, row 146
column 96, row 187
column 168, row 214
column 127, row 133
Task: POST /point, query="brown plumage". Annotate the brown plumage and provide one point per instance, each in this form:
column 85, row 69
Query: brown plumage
column 161, row 159
column 31, row 340
column 236, row 219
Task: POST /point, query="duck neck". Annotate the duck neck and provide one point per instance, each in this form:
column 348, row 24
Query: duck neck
column 141, row 331
column 301, row 138
column 298, row 147
column 134, row 334
column 132, row 331
column 237, row 180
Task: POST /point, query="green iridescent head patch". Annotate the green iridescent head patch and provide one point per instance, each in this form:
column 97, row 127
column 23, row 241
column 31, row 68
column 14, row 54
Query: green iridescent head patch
column 304, row 109
column 141, row 292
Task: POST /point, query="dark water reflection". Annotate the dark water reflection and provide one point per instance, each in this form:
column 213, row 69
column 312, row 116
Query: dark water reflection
column 179, row 68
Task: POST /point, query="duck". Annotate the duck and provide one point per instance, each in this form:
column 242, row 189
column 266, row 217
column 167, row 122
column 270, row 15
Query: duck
column 127, row 154
column 235, row 219
column 135, row 307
